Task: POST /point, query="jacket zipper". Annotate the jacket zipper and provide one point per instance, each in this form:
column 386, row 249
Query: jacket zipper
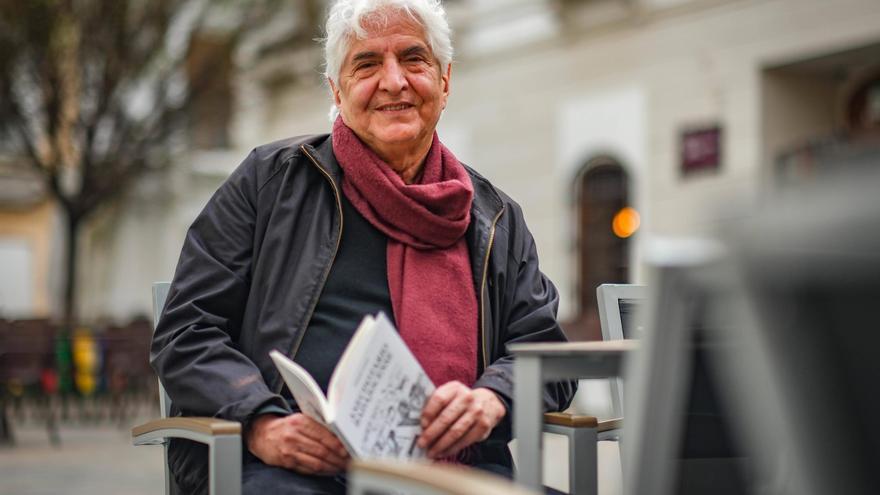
column 483, row 286
column 332, row 258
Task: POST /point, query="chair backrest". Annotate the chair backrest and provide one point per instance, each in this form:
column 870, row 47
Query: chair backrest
column 160, row 294
column 618, row 307
column 618, row 304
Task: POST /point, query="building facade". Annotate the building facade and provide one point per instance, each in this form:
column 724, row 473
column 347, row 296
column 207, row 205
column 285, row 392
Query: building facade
column 688, row 111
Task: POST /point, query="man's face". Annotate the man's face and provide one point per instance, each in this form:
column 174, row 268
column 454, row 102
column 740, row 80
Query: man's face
column 391, row 90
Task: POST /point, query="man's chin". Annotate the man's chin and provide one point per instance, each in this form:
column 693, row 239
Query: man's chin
column 399, row 136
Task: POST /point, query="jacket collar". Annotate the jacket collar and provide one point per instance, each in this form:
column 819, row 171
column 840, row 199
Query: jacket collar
column 487, row 202
column 322, row 150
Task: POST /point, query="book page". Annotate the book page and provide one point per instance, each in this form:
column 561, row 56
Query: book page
column 385, row 391
column 305, row 390
column 338, row 379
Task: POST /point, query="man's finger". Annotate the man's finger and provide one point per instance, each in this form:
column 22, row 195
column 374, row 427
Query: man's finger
column 445, row 419
column 317, row 450
column 438, row 401
column 330, row 441
column 319, row 433
column 459, row 429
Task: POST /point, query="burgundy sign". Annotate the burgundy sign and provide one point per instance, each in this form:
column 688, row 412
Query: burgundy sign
column 701, row 150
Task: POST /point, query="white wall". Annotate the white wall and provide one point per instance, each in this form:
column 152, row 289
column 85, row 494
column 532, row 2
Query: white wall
column 528, row 116
column 16, row 278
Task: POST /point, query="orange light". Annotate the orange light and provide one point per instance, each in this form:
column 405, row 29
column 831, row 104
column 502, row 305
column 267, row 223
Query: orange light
column 626, row 222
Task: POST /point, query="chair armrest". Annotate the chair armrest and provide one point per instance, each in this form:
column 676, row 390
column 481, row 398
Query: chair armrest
column 610, row 424
column 570, row 420
column 419, row 477
column 203, row 430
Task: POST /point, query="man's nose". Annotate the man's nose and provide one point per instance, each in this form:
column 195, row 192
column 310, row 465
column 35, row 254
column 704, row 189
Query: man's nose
column 393, row 79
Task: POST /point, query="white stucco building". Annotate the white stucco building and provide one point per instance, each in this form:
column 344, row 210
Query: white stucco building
column 543, row 92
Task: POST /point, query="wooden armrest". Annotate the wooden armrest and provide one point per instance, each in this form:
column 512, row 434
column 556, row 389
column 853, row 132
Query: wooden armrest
column 610, row 424
column 205, row 426
column 572, row 420
column 203, row 430
column 454, row 480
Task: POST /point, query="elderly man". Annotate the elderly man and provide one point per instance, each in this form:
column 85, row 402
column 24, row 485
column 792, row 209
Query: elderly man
column 310, row 234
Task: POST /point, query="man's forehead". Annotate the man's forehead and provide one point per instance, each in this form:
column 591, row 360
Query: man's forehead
column 385, row 20
column 396, row 42
column 397, row 32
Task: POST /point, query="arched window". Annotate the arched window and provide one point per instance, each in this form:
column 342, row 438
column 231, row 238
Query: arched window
column 602, row 190
column 862, row 106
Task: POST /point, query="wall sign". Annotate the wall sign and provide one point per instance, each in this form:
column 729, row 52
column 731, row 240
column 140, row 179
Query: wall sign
column 700, row 150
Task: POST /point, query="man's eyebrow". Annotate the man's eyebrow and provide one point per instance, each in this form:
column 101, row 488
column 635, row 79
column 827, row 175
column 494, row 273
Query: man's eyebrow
column 414, row 50
column 364, row 56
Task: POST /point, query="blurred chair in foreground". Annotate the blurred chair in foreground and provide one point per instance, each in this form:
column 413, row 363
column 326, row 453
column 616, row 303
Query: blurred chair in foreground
column 678, row 436
column 385, row 477
column 779, row 334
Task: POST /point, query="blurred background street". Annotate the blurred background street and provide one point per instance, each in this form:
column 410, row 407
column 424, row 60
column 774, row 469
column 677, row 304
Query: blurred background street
column 91, row 459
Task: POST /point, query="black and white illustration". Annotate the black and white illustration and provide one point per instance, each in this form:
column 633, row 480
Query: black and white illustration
column 394, row 427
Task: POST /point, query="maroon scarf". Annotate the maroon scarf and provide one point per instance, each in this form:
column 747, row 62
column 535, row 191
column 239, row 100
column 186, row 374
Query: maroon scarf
column 429, row 272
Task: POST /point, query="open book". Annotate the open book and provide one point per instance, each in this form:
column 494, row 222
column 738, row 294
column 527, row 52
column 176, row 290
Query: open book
column 375, row 396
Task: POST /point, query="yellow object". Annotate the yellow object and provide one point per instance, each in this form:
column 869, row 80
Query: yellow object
column 85, row 361
column 85, row 383
column 85, row 357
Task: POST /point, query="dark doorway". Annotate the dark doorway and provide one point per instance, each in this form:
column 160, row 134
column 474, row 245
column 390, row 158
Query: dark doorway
column 602, row 191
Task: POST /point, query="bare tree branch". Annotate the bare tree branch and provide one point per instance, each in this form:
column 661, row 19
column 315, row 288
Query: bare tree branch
column 73, row 74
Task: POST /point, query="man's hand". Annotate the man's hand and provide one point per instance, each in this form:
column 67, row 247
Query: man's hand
column 456, row 416
column 296, row 442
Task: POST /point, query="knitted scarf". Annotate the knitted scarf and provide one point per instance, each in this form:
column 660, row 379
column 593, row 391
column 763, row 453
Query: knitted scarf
column 429, row 272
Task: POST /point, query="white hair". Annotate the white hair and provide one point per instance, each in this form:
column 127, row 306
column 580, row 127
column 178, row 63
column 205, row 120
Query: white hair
column 347, row 18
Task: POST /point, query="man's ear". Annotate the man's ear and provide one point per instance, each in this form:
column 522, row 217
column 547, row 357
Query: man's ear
column 445, row 78
column 335, row 91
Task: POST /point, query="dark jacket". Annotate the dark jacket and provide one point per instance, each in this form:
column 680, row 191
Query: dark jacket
column 256, row 258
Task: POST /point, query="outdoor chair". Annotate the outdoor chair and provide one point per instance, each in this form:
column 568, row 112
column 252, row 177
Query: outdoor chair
column 223, row 438
column 617, row 306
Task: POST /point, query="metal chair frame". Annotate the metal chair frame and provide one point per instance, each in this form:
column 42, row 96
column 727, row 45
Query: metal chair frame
column 223, row 438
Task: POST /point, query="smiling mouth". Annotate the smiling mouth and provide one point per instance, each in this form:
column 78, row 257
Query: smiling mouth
column 395, row 107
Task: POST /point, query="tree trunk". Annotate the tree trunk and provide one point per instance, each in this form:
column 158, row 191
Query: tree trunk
column 70, row 255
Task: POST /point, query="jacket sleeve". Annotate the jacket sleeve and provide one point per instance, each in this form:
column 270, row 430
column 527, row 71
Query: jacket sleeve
column 194, row 349
column 529, row 315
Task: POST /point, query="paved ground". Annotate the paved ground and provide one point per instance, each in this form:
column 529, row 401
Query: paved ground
column 94, row 460
column 100, row 460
